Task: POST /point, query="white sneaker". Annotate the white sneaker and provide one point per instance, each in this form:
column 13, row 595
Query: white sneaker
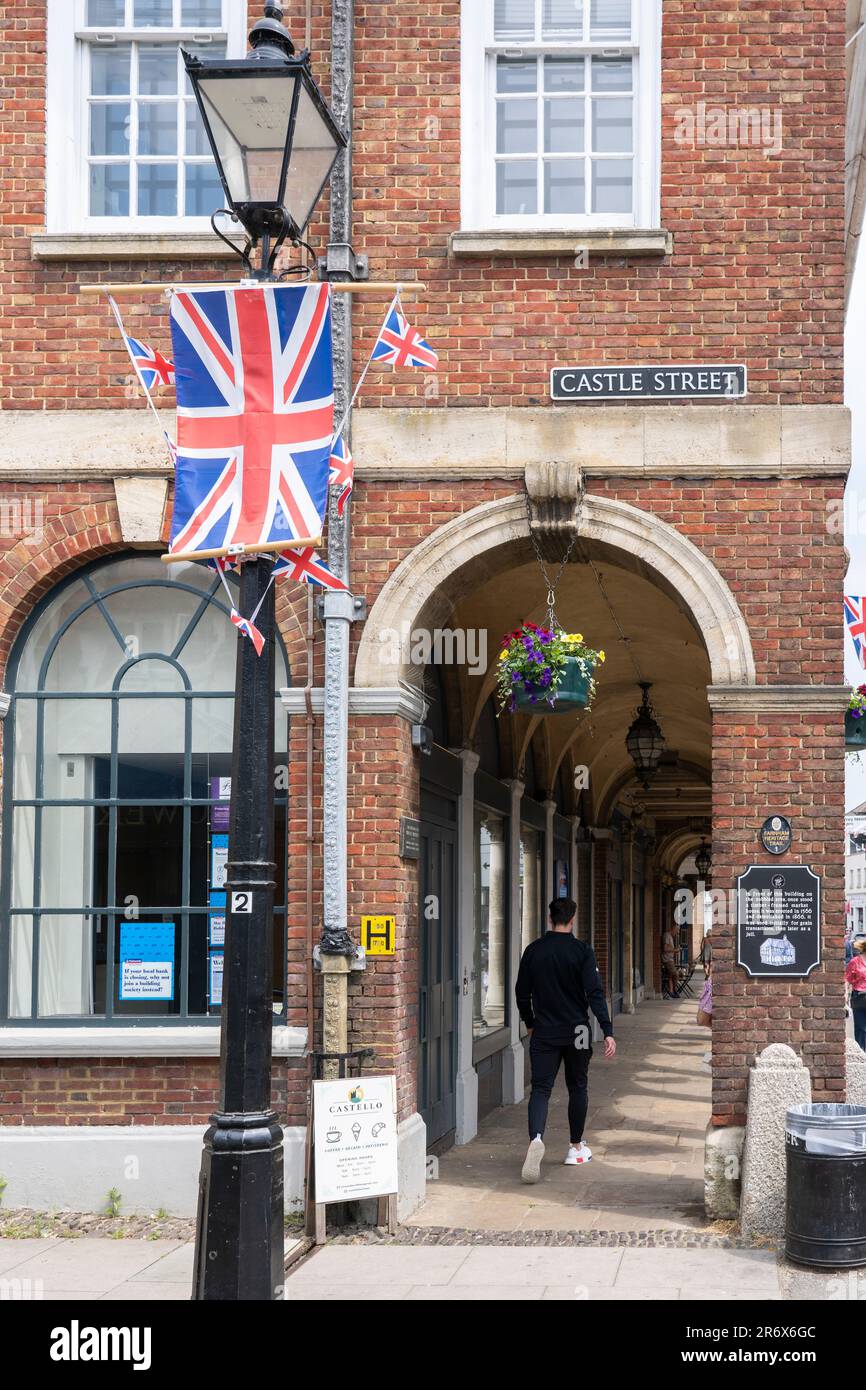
column 532, row 1163
column 578, row 1153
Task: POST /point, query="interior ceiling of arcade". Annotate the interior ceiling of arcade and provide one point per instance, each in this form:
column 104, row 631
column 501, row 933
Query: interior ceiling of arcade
column 646, row 634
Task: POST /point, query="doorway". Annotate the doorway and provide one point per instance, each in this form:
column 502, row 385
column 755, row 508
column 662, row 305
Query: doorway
column 437, row 1003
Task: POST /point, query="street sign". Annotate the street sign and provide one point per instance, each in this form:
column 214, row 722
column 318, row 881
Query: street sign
column 379, row 935
column 691, row 381
column 355, row 1138
column 779, row 920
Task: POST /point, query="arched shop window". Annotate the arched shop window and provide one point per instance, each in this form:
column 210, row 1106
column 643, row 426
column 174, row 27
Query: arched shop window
column 116, row 791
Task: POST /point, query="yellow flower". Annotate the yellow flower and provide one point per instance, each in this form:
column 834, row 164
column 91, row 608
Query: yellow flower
column 503, row 654
column 601, row 656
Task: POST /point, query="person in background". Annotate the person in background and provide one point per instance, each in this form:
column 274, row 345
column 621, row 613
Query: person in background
column 855, row 976
column 557, row 985
column 669, row 961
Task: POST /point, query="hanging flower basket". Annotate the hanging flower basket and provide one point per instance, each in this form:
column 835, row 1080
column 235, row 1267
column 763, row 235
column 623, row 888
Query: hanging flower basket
column 855, row 719
column 546, row 671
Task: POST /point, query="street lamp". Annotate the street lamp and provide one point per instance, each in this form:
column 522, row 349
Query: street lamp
column 275, row 144
column 703, row 861
column 273, row 138
column 644, row 741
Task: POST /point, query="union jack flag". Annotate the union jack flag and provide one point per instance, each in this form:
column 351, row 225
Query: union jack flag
column 255, row 396
column 305, row 567
column 854, row 617
column 342, row 471
column 249, row 629
column 401, row 345
column 153, row 368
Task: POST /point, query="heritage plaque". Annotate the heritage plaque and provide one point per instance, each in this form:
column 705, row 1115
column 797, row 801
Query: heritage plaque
column 410, row 838
column 778, row 920
column 776, row 835
column 691, row 381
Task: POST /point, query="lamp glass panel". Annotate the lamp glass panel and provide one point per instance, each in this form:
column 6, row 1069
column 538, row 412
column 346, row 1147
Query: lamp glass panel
column 314, row 149
column 249, row 117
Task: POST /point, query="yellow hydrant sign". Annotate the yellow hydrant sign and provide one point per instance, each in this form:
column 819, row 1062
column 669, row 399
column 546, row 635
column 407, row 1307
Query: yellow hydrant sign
column 379, row 935
column 355, row 1138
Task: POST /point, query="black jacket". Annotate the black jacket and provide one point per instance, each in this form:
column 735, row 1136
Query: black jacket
column 557, row 984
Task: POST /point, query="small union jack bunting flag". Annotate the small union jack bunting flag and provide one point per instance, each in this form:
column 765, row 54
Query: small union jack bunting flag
column 155, row 369
column 249, row 629
column 856, row 626
column 342, row 471
column 402, row 345
column 305, row 567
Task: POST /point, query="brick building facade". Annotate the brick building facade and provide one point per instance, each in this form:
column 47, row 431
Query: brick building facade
column 703, row 564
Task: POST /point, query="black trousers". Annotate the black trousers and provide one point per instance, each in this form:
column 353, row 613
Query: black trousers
column 545, row 1058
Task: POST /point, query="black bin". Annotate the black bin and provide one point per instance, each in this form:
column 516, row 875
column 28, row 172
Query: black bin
column 825, row 1221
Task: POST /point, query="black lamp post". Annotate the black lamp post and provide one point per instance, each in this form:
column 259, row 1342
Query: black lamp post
column 274, row 143
column 644, row 741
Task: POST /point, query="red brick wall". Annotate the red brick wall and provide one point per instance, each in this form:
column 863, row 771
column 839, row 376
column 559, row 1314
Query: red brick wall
column 761, row 763
column 744, row 283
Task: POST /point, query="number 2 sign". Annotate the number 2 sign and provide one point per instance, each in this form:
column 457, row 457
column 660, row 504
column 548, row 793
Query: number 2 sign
column 242, row 902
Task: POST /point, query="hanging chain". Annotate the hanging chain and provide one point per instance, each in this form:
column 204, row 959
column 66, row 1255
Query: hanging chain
column 553, row 584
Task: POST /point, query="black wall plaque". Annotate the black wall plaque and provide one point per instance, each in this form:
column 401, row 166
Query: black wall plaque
column 692, row 381
column 410, row 838
column 779, row 920
column 776, row 835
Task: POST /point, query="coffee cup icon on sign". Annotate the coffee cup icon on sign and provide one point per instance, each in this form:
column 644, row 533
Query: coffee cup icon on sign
column 333, row 1135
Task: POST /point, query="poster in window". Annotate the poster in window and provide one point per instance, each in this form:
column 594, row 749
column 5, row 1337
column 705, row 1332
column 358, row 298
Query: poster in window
column 219, row 853
column 217, row 920
column 215, row 979
column 146, row 961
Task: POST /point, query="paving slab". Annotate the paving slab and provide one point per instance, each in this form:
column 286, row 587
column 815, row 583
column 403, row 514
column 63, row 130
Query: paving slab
column 16, row 1252
column 539, row 1265
column 152, row 1292
column 384, row 1264
column 175, row 1267
column 92, row 1265
column 753, row 1272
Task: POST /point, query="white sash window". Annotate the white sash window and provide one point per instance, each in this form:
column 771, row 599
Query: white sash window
column 126, row 148
column 561, row 113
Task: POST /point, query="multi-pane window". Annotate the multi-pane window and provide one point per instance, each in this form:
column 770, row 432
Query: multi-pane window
column 147, row 154
column 565, row 114
column 117, row 799
column 564, row 119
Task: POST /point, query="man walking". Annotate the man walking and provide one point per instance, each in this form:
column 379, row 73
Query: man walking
column 557, row 984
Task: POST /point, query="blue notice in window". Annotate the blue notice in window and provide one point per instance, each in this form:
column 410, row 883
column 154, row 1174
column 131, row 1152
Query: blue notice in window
column 217, row 920
column 146, row 966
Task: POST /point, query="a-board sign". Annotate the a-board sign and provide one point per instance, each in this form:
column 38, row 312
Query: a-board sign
column 355, row 1138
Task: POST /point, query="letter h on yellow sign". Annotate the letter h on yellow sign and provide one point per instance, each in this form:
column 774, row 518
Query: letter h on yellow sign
column 378, row 935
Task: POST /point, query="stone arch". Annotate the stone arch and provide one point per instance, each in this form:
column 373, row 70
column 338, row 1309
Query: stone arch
column 449, row 562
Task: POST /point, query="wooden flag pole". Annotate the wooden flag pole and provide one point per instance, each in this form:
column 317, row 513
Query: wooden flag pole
column 338, row 286
column 240, row 552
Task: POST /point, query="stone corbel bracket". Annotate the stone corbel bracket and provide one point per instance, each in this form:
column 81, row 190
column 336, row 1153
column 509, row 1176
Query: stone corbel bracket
column 555, row 492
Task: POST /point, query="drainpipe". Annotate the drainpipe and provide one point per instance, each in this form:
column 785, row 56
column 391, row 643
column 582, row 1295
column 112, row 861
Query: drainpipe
column 337, row 949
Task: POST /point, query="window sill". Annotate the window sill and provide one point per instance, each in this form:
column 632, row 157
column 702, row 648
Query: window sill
column 128, row 246
column 620, row 241
column 490, row 1043
column 143, row 1041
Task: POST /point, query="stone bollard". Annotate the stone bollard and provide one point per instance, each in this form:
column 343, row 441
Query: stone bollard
column 777, row 1081
column 855, row 1073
